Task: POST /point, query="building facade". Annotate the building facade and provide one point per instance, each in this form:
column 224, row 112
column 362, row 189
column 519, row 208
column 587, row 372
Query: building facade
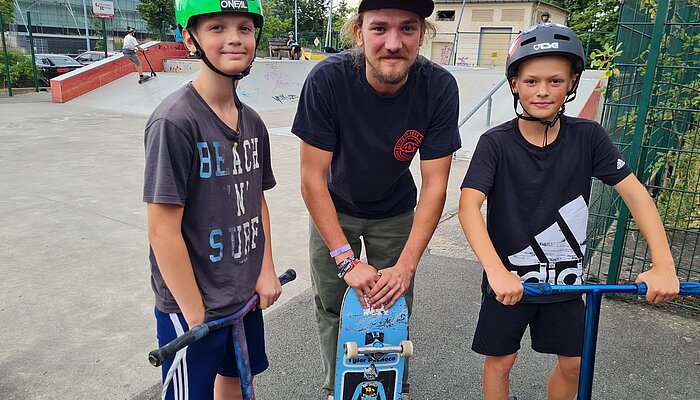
column 486, row 29
column 58, row 26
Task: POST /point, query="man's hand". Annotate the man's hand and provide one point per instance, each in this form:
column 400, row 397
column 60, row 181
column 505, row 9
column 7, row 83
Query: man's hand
column 362, row 278
column 506, row 285
column 662, row 285
column 393, row 283
column 268, row 287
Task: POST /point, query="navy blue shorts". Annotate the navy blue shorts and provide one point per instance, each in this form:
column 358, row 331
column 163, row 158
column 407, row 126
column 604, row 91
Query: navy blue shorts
column 555, row 328
column 190, row 374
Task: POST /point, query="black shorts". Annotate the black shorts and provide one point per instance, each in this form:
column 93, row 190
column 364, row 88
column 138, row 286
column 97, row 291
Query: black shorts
column 555, row 328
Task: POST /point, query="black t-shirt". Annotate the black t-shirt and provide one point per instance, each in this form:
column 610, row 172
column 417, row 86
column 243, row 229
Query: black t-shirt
column 193, row 159
column 537, row 208
column 374, row 138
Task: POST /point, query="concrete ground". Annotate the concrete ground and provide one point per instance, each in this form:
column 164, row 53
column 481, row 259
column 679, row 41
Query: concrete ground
column 76, row 306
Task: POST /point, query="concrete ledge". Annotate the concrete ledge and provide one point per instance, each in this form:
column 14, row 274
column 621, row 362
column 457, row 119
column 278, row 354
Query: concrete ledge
column 75, row 83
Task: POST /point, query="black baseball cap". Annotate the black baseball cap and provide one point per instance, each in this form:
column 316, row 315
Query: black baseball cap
column 423, row 8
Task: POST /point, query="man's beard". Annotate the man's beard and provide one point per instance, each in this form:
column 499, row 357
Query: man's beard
column 388, row 78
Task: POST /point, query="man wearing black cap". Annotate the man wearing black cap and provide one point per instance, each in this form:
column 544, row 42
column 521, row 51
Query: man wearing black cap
column 544, row 18
column 362, row 117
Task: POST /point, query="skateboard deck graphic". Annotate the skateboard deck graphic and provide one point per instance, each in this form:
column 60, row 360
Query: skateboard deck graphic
column 372, row 348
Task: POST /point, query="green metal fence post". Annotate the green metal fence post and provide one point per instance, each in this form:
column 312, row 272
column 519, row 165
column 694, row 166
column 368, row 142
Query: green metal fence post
column 31, row 49
column 7, row 59
column 638, row 138
column 104, row 36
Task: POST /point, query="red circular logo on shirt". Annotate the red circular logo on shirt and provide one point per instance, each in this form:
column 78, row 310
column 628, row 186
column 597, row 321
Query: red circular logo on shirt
column 407, row 145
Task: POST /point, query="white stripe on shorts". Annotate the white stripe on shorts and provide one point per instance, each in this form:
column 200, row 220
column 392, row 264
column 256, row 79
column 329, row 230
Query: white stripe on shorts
column 178, row 368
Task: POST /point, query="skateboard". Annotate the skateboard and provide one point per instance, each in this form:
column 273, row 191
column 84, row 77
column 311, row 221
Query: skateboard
column 145, row 78
column 372, row 349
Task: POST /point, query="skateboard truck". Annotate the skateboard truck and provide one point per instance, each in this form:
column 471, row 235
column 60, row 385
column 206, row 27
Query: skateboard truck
column 378, row 349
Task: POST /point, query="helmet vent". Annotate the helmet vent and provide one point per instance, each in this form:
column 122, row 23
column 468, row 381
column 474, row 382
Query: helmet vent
column 561, row 37
column 528, row 41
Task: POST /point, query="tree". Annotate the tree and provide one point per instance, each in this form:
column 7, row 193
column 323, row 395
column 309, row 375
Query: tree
column 311, row 13
column 594, row 20
column 341, row 14
column 158, row 14
column 97, row 28
column 274, row 28
column 7, row 9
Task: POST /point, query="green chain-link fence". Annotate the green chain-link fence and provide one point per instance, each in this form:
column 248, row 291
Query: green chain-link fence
column 652, row 112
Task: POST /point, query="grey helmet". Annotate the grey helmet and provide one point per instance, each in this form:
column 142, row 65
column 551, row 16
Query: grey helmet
column 545, row 39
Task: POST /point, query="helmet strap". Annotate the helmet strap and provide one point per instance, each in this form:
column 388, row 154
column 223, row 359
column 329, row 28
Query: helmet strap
column 199, row 53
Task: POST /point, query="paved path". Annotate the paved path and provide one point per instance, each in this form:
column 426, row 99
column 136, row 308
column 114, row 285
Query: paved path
column 76, row 306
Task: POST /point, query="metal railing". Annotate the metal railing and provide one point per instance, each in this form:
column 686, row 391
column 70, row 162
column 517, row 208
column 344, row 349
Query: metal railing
column 488, row 98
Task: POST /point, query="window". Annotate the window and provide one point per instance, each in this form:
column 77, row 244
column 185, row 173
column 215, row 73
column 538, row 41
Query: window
column 513, row 14
column 482, row 15
column 445, row 15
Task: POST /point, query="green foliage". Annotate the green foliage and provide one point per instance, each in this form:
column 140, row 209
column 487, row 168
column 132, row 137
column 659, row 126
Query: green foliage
column 671, row 136
column 158, row 14
column 341, row 14
column 313, row 18
column 274, row 28
column 604, row 60
column 21, row 73
column 97, row 28
column 7, row 9
column 594, row 20
column 312, row 14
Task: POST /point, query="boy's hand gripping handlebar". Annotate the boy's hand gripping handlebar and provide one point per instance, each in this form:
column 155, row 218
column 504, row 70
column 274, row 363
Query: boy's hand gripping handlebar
column 158, row 357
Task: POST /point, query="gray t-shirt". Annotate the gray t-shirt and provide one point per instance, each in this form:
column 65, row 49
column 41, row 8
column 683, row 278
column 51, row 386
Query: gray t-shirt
column 195, row 160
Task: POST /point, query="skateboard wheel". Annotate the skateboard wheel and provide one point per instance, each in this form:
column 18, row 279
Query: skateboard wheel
column 406, row 348
column 351, row 350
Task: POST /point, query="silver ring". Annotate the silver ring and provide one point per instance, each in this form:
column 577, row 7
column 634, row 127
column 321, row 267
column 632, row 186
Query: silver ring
column 389, row 286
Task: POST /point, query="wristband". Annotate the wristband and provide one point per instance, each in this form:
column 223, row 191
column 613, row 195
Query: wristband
column 340, row 250
column 347, row 265
column 347, row 261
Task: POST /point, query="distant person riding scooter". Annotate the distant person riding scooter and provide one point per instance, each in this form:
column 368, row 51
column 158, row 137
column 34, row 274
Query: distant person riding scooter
column 131, row 45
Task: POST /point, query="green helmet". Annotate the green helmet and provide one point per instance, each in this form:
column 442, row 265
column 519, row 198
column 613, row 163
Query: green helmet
column 186, row 9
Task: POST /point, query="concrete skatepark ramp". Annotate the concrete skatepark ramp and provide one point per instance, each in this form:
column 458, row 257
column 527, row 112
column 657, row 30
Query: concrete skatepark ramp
column 270, row 85
column 276, row 85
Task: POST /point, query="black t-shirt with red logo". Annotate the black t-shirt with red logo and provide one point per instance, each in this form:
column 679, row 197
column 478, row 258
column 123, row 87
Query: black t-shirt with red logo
column 374, row 138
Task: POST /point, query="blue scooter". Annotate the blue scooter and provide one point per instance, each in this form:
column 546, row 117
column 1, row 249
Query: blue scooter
column 594, row 295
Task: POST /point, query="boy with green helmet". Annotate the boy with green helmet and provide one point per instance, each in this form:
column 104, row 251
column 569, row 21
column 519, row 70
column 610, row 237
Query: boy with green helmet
column 536, row 171
column 188, row 11
column 207, row 165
